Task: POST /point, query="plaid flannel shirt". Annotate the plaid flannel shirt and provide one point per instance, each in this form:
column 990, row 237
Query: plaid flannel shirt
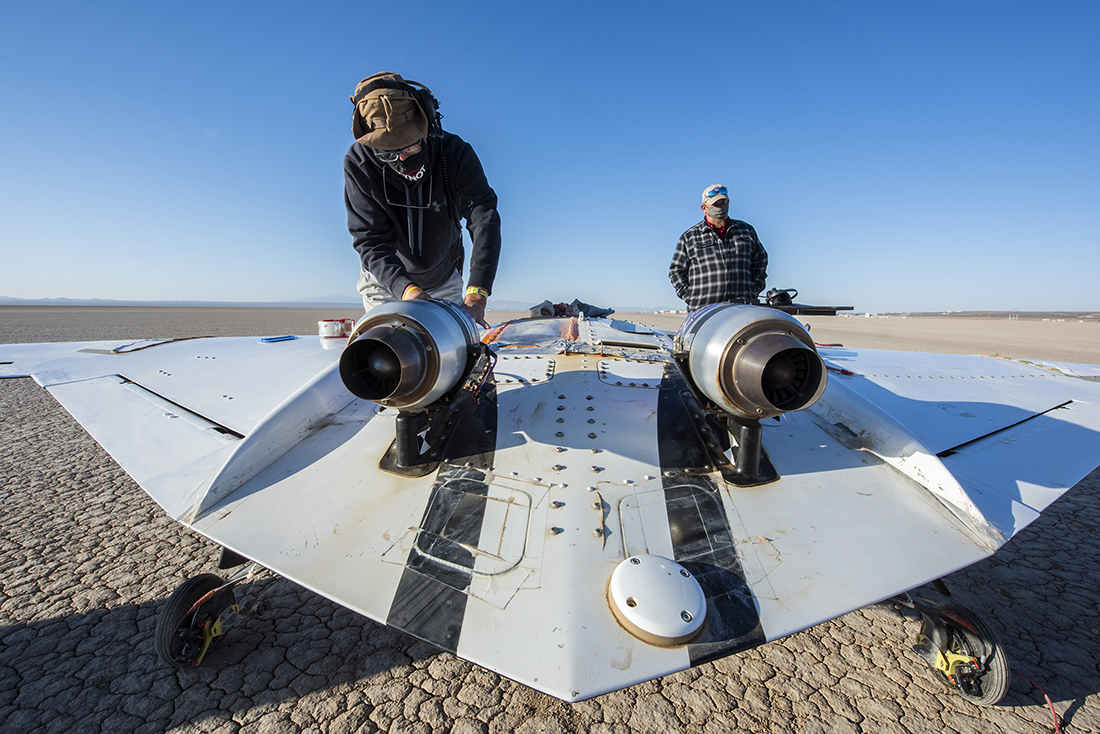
column 711, row 268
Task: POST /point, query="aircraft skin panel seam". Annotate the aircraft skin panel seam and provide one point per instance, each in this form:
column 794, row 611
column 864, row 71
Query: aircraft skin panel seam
column 702, row 539
column 432, row 595
column 219, row 427
column 954, row 449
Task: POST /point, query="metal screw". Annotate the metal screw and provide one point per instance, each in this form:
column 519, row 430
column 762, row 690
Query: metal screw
column 685, row 615
column 636, row 561
column 685, row 574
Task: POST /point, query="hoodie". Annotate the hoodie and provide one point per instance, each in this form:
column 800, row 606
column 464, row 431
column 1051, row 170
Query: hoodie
column 407, row 232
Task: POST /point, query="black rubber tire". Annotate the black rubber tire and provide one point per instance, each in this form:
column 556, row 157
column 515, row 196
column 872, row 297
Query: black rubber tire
column 978, row 641
column 167, row 640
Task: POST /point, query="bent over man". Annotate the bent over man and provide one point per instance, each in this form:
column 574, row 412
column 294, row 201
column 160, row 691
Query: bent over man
column 407, row 184
column 719, row 260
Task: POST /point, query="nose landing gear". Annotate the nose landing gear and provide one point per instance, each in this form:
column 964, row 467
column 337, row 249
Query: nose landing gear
column 962, row 649
column 199, row 611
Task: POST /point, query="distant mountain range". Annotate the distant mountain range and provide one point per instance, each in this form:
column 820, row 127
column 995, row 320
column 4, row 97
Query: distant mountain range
column 318, row 302
column 322, row 302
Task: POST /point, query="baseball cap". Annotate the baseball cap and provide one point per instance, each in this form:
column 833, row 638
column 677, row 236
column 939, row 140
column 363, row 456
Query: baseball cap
column 713, row 193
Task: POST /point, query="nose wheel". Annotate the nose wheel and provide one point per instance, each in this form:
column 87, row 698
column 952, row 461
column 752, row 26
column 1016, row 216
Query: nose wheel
column 195, row 615
column 963, row 650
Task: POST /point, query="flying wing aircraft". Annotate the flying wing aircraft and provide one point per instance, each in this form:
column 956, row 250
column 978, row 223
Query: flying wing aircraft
column 585, row 504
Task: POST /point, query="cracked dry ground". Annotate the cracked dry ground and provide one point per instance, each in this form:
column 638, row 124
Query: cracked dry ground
column 87, row 560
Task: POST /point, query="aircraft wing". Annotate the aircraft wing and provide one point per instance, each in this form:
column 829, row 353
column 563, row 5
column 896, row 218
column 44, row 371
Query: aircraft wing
column 170, row 411
column 587, row 447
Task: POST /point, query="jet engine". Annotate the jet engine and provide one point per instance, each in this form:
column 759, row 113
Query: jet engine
column 408, row 354
column 753, row 362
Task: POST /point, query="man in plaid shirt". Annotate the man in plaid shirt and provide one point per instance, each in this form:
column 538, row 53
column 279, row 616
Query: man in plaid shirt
column 719, row 260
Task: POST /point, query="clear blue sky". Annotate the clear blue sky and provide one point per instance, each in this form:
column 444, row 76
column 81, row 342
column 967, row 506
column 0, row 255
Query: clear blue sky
column 892, row 156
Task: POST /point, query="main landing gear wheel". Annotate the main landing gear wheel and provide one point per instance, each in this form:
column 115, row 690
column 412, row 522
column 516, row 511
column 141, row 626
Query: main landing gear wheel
column 192, row 618
column 965, row 653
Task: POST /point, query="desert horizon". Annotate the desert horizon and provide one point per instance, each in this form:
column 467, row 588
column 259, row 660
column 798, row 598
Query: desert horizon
column 1052, row 340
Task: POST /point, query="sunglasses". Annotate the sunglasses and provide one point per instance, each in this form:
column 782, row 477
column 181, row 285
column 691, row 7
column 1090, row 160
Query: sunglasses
column 389, row 156
column 716, row 191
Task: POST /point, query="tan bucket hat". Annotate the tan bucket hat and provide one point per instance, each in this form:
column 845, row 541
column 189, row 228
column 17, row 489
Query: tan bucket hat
column 386, row 115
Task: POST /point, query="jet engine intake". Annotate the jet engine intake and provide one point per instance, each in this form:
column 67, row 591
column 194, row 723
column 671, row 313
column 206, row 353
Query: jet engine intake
column 753, row 362
column 408, row 354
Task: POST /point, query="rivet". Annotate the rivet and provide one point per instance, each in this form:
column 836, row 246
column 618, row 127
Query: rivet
column 557, row 467
column 590, row 408
column 592, row 435
column 631, row 602
column 598, row 532
column 561, row 420
column 635, row 561
column 561, row 407
column 597, row 469
column 595, row 451
column 556, row 531
column 685, row 615
column 591, row 420
column 557, row 503
column 559, row 449
column 686, row 575
column 597, row 505
column 559, row 434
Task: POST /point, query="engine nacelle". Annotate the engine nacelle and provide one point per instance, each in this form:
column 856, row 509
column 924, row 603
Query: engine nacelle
column 407, row 354
column 753, row 362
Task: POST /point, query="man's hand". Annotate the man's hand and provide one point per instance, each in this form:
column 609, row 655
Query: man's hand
column 414, row 292
column 474, row 305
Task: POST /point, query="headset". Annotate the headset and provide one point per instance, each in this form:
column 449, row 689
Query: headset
column 429, row 105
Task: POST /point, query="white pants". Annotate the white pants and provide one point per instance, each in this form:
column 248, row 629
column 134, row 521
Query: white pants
column 375, row 294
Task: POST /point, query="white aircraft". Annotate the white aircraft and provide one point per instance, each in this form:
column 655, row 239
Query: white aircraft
column 585, row 504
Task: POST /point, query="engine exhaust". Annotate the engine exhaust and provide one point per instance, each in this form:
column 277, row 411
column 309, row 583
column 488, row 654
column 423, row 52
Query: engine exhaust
column 753, row 362
column 408, row 354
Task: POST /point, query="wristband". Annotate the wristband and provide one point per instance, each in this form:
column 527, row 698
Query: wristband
column 474, row 290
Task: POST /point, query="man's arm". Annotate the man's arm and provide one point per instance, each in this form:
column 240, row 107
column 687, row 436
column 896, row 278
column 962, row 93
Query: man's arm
column 759, row 266
column 678, row 270
column 477, row 204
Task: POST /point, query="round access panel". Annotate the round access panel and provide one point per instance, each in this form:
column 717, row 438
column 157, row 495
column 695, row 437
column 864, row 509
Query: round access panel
column 657, row 600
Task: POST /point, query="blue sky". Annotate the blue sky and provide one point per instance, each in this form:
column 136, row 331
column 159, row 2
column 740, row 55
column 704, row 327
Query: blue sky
column 892, row 156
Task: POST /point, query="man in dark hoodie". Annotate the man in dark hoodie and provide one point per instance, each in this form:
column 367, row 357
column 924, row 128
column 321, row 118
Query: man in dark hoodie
column 407, row 183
